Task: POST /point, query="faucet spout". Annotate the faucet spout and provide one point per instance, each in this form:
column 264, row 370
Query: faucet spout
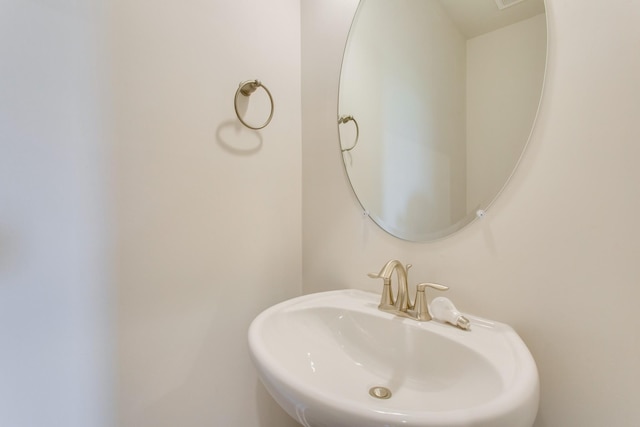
column 401, row 302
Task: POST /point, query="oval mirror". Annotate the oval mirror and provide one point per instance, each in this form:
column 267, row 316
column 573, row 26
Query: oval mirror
column 437, row 101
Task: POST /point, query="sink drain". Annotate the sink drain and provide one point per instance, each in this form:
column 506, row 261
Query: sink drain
column 380, row 392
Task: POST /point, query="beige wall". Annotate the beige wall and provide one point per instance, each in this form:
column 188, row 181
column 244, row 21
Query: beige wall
column 557, row 255
column 208, row 212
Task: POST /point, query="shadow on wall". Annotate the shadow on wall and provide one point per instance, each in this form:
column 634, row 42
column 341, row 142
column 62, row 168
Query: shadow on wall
column 232, row 137
column 190, row 378
column 270, row 414
column 4, row 251
column 8, row 251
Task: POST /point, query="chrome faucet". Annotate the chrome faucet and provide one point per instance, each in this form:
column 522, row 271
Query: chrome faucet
column 401, row 305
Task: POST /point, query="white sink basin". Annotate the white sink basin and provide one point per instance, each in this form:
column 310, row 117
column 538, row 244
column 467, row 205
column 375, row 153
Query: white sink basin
column 320, row 355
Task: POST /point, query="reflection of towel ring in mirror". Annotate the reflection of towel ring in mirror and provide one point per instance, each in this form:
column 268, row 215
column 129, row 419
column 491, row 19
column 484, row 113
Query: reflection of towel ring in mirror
column 246, row 88
column 345, row 119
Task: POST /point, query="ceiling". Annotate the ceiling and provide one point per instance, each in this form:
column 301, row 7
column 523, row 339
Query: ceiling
column 476, row 17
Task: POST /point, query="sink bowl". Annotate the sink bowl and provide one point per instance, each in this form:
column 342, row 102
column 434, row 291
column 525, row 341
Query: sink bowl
column 333, row 359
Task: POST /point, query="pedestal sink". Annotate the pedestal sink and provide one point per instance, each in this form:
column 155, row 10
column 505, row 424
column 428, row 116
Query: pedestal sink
column 333, row 359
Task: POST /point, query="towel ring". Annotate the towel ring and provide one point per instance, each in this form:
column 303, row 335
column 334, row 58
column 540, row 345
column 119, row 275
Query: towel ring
column 345, row 119
column 246, row 88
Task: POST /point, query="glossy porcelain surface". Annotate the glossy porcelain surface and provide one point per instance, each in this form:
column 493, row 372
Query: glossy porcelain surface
column 320, row 354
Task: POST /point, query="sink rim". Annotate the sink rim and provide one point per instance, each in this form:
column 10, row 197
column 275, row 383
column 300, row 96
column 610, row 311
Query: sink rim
column 523, row 385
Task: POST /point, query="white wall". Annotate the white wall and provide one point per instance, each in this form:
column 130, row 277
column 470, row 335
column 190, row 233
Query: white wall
column 556, row 257
column 141, row 227
column 208, row 212
column 208, row 218
column 199, row 216
column 55, row 316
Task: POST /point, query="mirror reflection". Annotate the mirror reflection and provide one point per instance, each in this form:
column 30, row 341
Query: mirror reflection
column 441, row 96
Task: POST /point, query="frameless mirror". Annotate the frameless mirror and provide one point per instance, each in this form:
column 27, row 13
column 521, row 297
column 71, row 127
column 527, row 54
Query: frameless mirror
column 436, row 104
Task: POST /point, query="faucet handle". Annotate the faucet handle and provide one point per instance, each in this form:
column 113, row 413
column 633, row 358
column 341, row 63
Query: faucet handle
column 421, row 307
column 422, row 286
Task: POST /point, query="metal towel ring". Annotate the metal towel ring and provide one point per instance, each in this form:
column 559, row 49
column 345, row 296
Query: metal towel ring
column 345, row 119
column 246, row 88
